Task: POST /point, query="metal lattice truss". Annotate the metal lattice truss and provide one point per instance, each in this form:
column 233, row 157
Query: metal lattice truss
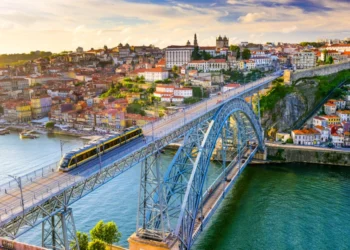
column 182, row 189
column 42, row 209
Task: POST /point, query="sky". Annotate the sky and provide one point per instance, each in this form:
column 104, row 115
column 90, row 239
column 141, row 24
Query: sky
column 57, row 25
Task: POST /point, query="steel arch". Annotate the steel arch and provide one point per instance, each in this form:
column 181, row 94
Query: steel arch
column 186, row 174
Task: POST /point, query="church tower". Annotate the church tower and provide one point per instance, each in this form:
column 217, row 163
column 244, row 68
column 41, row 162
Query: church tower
column 195, row 43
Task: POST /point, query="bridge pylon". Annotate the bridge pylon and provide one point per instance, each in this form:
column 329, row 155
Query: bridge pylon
column 58, row 232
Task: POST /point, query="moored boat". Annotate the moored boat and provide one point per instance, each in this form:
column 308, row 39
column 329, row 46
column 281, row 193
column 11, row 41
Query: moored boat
column 27, row 135
column 4, row 132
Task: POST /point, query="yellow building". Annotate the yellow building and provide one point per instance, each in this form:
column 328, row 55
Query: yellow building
column 332, row 119
column 24, row 112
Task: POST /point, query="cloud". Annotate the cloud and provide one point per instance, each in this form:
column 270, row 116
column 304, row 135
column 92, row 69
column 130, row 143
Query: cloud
column 251, row 17
column 64, row 24
column 289, row 29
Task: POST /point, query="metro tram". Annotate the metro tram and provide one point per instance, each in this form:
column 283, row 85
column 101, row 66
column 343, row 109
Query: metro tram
column 79, row 156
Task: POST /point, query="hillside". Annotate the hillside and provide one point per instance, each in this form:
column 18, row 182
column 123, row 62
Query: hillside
column 284, row 106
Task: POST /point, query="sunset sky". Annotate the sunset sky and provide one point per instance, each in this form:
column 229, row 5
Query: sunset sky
column 57, row 25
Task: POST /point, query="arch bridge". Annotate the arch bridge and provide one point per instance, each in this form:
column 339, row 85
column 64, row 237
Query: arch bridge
column 174, row 207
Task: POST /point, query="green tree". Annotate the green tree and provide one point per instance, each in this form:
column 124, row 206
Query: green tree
column 50, row 125
column 195, row 54
column 175, row 69
column 97, row 245
column 98, row 231
column 112, row 235
column 329, row 60
column 83, row 240
column 1, row 110
column 246, row 54
column 235, row 48
column 107, row 232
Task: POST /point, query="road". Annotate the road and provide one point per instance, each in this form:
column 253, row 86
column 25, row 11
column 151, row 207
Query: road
column 54, row 182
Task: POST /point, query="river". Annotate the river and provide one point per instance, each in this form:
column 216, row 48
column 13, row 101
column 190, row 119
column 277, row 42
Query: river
column 271, row 207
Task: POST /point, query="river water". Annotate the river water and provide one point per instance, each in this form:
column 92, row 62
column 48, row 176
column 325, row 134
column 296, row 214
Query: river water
column 271, row 207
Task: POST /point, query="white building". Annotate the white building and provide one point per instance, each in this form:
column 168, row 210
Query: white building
column 178, row 55
column 337, row 139
column 319, row 121
column 330, row 108
column 209, row 65
column 304, row 60
column 172, row 94
column 262, row 61
column 337, row 47
column 344, row 115
column 230, row 86
column 183, row 92
column 306, row 137
column 324, row 133
column 154, row 74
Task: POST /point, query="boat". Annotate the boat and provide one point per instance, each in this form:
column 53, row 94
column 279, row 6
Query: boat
column 4, row 132
column 27, row 135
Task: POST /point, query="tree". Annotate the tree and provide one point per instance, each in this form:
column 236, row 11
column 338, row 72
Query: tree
column 195, row 54
column 235, row 48
column 112, row 235
column 83, row 240
column 98, row 231
column 97, row 245
column 175, row 69
column 246, row 54
column 107, row 232
column 50, row 125
column 329, row 60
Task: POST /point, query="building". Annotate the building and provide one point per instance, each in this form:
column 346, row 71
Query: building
column 230, row 86
column 247, row 65
column 344, row 115
column 319, row 121
column 337, row 139
column 306, row 137
column 329, row 108
column 331, row 119
column 171, row 94
column 324, row 132
column 183, row 92
column 261, row 61
column 24, row 112
column 222, row 42
column 40, row 106
column 208, row 65
column 337, row 47
column 178, row 55
column 341, row 104
column 346, row 139
column 303, row 60
column 154, row 74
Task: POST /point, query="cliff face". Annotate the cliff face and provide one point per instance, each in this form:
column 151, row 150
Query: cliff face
column 293, row 107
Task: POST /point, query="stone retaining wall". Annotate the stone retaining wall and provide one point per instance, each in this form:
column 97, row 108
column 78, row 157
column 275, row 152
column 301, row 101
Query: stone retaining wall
column 290, row 76
column 290, row 155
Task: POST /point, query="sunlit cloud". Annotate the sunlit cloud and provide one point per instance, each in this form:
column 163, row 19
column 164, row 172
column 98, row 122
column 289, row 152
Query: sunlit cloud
column 65, row 24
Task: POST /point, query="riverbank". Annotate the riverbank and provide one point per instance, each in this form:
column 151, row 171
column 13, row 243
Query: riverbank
column 279, row 153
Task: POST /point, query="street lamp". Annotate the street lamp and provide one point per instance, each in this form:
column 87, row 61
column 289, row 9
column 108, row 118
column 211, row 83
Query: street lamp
column 19, row 182
column 61, row 145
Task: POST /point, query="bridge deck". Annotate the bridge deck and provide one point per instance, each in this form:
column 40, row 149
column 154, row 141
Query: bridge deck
column 217, row 193
column 37, row 189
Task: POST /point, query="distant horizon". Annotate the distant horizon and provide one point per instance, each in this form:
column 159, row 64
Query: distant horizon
column 65, row 25
column 101, row 47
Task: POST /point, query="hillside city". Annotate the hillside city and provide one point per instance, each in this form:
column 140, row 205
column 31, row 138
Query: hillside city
column 97, row 91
